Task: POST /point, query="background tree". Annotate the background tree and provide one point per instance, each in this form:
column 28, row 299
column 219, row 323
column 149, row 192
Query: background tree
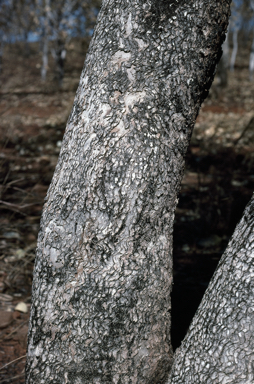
column 57, row 23
column 52, row 23
column 23, row 20
column 242, row 19
column 103, row 272
column 43, row 22
column 5, row 25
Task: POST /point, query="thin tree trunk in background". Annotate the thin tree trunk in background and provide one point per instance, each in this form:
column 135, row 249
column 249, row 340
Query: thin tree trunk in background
column 251, row 63
column 44, row 66
column 103, row 272
column 1, row 54
column 59, row 55
column 222, row 68
column 235, row 49
column 27, row 50
column 219, row 346
column 45, row 10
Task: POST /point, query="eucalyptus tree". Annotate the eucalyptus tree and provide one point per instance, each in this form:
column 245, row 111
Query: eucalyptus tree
column 103, row 272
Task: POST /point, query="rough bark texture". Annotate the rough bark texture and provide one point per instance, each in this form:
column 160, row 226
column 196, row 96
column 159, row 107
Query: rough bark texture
column 102, row 279
column 219, row 346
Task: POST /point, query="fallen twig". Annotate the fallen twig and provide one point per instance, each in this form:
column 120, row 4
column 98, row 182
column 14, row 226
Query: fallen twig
column 16, row 205
column 12, row 378
column 6, row 337
column 13, row 361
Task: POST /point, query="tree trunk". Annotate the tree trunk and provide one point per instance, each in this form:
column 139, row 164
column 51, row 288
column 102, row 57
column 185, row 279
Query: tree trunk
column 59, row 54
column 219, row 346
column 251, row 62
column 103, row 273
column 235, row 48
column 45, row 29
column 222, row 67
column 44, row 67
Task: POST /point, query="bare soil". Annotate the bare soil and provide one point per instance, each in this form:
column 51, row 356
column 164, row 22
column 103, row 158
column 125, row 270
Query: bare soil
column 218, row 182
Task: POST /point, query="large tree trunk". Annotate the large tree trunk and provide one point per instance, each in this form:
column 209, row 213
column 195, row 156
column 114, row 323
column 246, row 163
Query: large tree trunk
column 103, row 272
column 219, row 346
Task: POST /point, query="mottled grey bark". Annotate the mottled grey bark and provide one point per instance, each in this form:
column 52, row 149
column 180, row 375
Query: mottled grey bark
column 219, row 346
column 103, row 273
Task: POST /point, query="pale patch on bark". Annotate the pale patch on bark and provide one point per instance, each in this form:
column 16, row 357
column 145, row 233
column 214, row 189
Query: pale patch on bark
column 131, row 72
column 120, row 57
column 141, row 44
column 120, row 129
column 88, row 141
column 128, row 26
column 131, row 99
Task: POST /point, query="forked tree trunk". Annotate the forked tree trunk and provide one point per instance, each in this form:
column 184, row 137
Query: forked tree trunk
column 103, row 273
